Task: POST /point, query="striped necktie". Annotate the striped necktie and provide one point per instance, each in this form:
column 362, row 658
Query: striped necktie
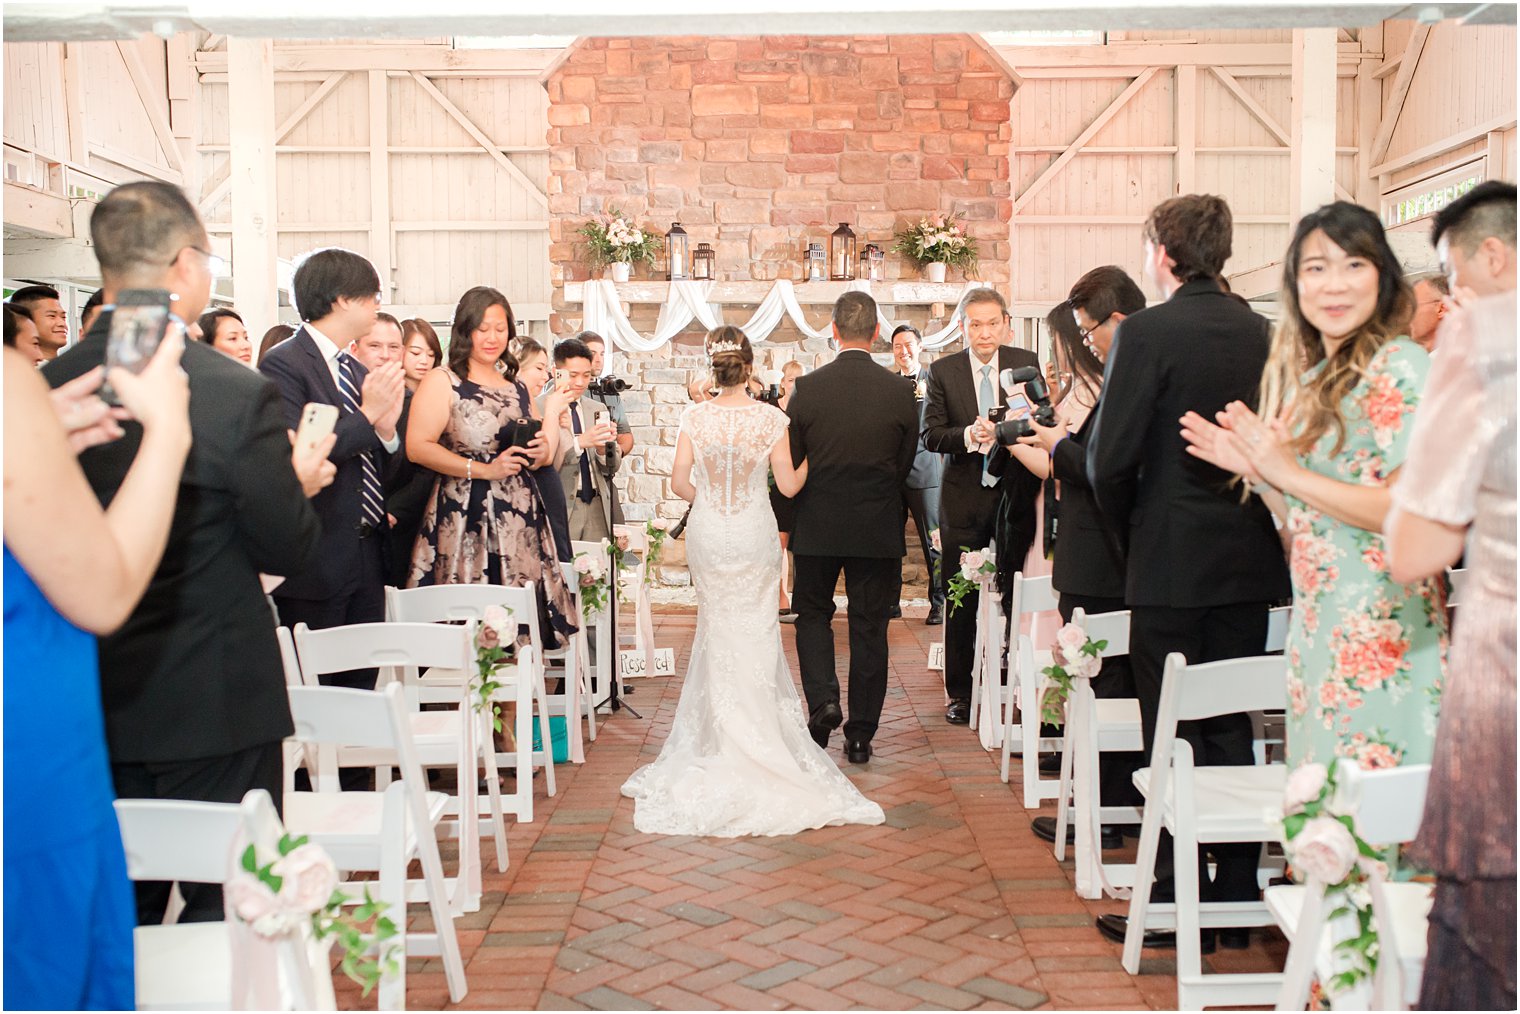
column 371, row 503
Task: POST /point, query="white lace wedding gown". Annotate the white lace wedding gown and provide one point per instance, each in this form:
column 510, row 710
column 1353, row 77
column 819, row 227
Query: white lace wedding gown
column 739, row 759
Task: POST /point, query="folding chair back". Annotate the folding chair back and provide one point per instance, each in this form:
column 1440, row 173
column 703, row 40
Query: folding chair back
column 176, row 839
column 1029, row 595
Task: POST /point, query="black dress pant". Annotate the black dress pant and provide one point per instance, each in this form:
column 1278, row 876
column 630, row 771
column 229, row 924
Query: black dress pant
column 221, row 779
column 1115, row 681
column 869, row 585
column 1203, row 634
column 968, row 522
column 923, row 504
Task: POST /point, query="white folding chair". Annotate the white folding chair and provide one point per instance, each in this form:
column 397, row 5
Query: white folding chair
column 1386, row 806
column 294, row 751
column 522, row 683
column 1458, row 578
column 1027, row 684
column 575, row 659
column 215, row 965
column 443, row 738
column 643, row 616
column 1200, row 806
column 1095, row 726
column 380, row 832
column 604, row 669
column 987, row 658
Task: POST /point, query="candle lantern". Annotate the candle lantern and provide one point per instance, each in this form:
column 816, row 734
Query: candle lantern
column 842, row 254
column 677, row 253
column 874, row 262
column 702, row 263
column 815, row 262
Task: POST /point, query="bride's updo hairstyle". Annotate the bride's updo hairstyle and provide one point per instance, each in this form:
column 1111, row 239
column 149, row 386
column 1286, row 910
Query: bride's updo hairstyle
column 731, row 355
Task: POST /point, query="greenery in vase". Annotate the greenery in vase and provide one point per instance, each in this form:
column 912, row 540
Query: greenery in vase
column 615, row 240
column 937, row 240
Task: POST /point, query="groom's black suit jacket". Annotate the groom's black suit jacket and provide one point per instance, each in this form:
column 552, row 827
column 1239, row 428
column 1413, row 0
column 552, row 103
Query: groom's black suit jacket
column 856, row 423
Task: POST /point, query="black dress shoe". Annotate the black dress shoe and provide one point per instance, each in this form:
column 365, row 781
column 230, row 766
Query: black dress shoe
column 857, row 752
column 1045, row 828
column 1115, row 926
column 959, row 712
column 825, row 719
column 1233, row 938
column 1050, row 764
column 936, row 616
column 896, row 612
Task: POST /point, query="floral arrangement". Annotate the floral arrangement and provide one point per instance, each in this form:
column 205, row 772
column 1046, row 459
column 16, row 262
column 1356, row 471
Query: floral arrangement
column 1324, row 845
column 302, row 884
column 1075, row 654
column 595, row 587
column 937, row 240
column 976, row 568
column 615, row 240
column 658, row 530
column 494, row 647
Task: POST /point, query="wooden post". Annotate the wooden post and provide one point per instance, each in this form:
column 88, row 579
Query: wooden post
column 1187, row 128
column 250, row 83
column 380, row 181
column 1312, row 175
column 1369, row 108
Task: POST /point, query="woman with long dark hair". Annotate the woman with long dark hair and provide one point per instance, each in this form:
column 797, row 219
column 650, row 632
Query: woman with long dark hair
column 487, row 523
column 1365, row 653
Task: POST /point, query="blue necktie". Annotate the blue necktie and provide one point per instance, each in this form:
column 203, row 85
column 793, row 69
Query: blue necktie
column 371, row 504
column 588, row 492
column 985, row 399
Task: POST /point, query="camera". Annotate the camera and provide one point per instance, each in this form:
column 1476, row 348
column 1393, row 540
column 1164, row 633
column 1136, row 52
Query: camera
column 1038, row 394
column 770, row 393
column 607, row 387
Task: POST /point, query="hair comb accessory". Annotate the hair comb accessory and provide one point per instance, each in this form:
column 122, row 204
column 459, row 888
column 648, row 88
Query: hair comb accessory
column 724, row 346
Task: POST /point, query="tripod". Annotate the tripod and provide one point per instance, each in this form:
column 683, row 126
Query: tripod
column 614, row 696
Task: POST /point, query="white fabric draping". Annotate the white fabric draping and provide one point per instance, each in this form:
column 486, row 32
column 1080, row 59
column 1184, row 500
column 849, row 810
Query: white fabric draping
column 687, row 301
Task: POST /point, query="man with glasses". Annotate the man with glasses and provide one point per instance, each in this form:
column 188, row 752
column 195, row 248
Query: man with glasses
column 192, row 686
column 1430, row 294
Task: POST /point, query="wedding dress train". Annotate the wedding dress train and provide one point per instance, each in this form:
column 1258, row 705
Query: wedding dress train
column 739, row 759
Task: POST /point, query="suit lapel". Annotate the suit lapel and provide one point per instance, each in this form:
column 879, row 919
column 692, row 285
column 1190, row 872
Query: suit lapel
column 308, row 346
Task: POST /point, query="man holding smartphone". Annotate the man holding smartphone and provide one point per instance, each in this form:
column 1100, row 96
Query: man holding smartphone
column 588, row 445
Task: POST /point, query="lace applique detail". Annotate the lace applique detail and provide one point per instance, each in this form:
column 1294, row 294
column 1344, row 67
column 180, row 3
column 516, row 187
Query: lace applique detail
column 731, row 447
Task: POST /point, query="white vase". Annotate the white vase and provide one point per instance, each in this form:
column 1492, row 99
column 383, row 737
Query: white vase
column 934, row 272
column 620, row 271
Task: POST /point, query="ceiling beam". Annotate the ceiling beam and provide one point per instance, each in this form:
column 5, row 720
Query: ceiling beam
column 1394, row 107
column 158, row 116
column 524, row 62
column 481, row 139
column 224, row 182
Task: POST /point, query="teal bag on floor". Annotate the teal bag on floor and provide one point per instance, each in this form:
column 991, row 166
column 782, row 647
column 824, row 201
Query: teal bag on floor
column 559, row 738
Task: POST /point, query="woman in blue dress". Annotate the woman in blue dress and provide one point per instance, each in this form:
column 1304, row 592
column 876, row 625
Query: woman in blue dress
column 73, row 571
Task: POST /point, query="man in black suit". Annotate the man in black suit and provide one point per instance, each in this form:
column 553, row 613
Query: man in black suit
column 192, row 685
column 1203, row 568
column 963, row 390
column 337, row 293
column 921, row 493
column 856, row 426
column 1088, row 566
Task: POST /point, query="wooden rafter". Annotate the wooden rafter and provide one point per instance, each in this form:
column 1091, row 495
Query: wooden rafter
column 1257, row 281
column 157, row 118
column 1265, row 118
column 481, row 139
column 1395, row 107
column 224, row 179
column 1098, row 123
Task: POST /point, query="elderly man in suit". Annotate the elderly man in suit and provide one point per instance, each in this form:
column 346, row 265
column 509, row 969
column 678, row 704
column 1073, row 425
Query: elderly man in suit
column 963, row 391
column 192, row 685
column 588, row 447
column 921, row 492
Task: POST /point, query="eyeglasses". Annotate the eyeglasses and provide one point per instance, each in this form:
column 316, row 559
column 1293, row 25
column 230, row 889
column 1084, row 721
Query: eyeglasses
column 214, row 264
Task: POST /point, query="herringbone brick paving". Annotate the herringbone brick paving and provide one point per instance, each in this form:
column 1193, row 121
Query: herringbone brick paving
column 951, row 904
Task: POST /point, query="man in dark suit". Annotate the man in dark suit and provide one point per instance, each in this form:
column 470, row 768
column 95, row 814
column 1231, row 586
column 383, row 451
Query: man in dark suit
column 192, row 685
column 962, row 390
column 337, row 295
column 1202, row 568
column 856, row 426
column 1088, row 566
column 921, row 493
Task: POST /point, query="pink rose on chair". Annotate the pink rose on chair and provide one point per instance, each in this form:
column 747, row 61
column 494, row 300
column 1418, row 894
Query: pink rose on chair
column 1070, row 639
column 499, row 620
column 971, row 563
column 251, row 898
column 1324, row 849
column 1304, row 786
column 308, row 878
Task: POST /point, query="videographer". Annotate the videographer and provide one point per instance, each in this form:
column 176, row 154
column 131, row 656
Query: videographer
column 589, row 454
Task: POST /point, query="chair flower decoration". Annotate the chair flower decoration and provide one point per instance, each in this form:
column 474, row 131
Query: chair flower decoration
column 495, row 646
column 976, row 569
column 1075, row 654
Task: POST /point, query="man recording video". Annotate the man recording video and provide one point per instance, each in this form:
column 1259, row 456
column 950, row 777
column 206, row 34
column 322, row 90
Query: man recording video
column 589, row 451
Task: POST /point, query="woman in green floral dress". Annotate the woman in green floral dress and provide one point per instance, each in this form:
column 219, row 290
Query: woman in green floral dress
column 1365, row 654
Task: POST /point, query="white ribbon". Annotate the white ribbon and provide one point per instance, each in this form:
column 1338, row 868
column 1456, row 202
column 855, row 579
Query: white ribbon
column 688, row 300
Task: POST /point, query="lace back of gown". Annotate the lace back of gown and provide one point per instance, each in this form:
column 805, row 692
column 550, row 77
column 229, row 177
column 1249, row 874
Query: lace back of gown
column 739, row 759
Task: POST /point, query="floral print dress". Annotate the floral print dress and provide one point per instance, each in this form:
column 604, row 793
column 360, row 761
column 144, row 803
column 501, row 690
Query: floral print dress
column 1366, row 655
column 485, row 531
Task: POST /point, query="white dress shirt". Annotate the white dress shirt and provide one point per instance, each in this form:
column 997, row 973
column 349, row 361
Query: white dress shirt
column 330, row 353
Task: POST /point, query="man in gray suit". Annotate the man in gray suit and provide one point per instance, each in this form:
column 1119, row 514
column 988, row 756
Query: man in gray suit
column 588, row 446
column 921, row 492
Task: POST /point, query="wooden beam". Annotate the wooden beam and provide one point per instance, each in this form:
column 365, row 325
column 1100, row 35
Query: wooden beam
column 1369, row 103
column 1387, row 67
column 1394, row 107
column 380, row 182
column 1092, row 129
column 480, row 138
column 1255, row 282
column 141, row 166
column 505, row 225
column 184, row 106
column 1494, row 168
column 518, row 62
column 1186, row 114
column 1096, row 149
column 1255, row 108
column 219, row 190
column 1477, row 132
column 397, row 149
column 73, row 101
column 1157, row 54
column 250, row 114
column 1311, row 175
column 73, row 259
column 158, row 118
column 38, row 213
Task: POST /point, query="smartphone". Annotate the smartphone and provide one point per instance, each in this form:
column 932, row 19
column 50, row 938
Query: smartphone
column 138, row 325
column 1018, row 405
column 562, row 381
column 317, row 421
column 599, row 418
column 522, row 432
column 996, row 413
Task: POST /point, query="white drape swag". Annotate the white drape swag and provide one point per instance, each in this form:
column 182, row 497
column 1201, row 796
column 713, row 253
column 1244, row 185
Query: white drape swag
column 688, row 301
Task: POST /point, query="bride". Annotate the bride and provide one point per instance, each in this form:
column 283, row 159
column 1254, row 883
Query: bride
column 739, row 759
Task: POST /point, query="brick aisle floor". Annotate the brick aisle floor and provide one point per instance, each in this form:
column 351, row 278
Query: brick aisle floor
column 952, row 903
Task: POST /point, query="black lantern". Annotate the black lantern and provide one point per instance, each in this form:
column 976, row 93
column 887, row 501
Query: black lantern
column 815, row 263
column 677, row 253
column 873, row 262
column 702, row 263
column 842, row 254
